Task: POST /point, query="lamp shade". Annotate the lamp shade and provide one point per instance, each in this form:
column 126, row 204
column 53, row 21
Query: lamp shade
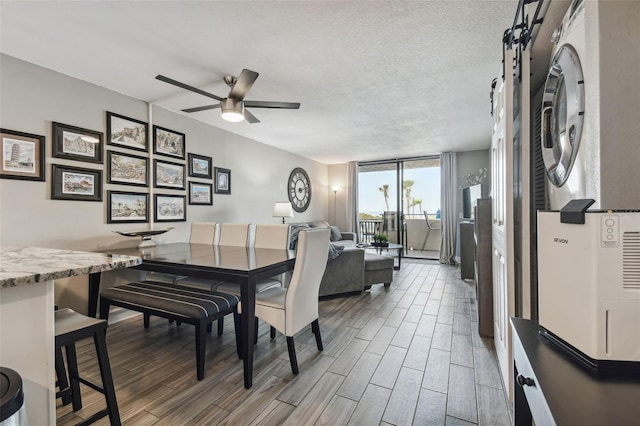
column 283, row 209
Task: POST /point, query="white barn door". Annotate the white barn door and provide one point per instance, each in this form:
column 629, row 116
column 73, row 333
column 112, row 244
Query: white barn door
column 502, row 188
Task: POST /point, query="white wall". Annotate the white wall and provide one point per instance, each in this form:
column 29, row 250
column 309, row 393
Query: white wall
column 338, row 176
column 32, row 97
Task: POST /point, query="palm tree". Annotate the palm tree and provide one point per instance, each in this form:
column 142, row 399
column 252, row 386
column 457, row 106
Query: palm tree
column 406, row 185
column 416, row 202
column 385, row 191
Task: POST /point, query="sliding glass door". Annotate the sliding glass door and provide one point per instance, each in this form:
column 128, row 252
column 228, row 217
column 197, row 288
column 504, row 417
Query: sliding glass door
column 401, row 199
column 378, row 206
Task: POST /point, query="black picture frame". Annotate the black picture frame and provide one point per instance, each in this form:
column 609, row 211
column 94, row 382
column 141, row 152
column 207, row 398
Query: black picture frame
column 200, row 193
column 75, row 183
column 132, row 207
column 170, row 208
column 29, row 155
column 200, row 166
column 169, row 142
column 127, row 132
column 223, row 181
column 76, row 143
column 127, row 169
column 168, row 175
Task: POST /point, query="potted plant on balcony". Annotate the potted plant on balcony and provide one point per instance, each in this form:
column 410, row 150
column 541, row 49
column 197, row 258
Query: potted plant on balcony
column 380, row 240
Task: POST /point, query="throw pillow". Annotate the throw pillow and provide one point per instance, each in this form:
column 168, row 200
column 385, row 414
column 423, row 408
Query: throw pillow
column 335, row 234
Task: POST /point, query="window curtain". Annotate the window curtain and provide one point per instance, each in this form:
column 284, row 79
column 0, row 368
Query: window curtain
column 352, row 199
column 448, row 206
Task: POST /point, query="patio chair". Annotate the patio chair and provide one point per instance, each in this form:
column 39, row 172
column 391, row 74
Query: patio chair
column 430, row 227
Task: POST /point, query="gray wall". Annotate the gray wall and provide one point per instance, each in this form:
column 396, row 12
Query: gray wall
column 467, row 162
column 32, row 97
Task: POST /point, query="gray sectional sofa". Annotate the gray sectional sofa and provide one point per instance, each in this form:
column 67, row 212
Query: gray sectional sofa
column 346, row 272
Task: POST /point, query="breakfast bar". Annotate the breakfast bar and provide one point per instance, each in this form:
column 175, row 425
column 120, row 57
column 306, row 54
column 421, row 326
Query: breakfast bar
column 27, row 315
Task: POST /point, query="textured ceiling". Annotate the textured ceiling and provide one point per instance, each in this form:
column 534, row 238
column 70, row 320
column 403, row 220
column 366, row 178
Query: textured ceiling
column 376, row 80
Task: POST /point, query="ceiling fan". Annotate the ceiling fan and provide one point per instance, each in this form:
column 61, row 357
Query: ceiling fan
column 233, row 106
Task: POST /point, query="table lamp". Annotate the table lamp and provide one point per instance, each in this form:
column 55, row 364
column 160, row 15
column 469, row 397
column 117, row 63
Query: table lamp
column 283, row 209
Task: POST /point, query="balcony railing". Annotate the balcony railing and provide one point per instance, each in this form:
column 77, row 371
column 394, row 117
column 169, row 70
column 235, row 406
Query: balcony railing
column 415, row 231
column 369, row 227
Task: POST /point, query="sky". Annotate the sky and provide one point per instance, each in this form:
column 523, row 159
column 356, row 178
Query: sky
column 426, row 188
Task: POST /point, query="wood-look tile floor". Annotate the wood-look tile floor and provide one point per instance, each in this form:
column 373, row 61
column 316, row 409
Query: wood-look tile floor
column 410, row 354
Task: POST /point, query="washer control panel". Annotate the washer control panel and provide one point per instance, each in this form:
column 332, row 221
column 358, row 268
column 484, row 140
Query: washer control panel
column 609, row 231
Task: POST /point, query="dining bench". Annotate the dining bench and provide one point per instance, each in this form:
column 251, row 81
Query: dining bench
column 182, row 304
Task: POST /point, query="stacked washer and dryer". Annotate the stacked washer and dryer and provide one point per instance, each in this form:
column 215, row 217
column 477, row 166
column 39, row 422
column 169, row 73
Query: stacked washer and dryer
column 591, row 106
column 589, row 274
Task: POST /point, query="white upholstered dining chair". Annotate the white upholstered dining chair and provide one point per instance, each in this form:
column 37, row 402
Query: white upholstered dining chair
column 233, row 234
column 289, row 310
column 201, row 233
column 270, row 237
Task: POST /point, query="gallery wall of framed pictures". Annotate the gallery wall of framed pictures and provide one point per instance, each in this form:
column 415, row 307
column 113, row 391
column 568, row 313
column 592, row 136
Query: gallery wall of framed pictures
column 78, row 168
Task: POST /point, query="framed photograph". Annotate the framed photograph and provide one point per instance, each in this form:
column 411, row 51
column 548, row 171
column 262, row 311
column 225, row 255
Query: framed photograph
column 22, row 156
column 200, row 193
column 223, row 180
column 74, row 183
column 75, row 143
column 170, row 208
column 199, row 166
column 168, row 175
column 127, row 207
column 127, row 132
column 127, row 169
column 168, row 142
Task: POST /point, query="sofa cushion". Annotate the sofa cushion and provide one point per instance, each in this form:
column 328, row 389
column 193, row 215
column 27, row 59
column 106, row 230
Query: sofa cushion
column 374, row 262
column 335, row 234
column 344, row 243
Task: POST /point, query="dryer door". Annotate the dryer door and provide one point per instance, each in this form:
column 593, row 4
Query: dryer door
column 563, row 114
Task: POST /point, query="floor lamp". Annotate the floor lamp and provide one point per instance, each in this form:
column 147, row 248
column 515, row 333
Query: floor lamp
column 335, row 193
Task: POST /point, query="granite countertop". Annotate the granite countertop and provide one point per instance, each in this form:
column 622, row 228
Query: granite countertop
column 28, row 265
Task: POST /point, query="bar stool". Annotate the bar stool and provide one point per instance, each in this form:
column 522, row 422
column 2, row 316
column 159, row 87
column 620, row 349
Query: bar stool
column 70, row 327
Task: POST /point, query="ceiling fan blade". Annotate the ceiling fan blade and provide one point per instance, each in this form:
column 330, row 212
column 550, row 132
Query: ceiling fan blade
column 243, row 84
column 269, row 104
column 202, row 108
column 187, row 87
column 250, row 117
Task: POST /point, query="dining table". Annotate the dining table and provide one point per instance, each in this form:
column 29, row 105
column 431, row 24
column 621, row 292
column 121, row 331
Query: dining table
column 244, row 266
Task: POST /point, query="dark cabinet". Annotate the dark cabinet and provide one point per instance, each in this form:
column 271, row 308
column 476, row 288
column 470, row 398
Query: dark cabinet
column 483, row 266
column 467, row 251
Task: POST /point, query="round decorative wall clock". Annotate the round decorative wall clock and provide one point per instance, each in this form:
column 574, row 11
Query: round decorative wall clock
column 299, row 189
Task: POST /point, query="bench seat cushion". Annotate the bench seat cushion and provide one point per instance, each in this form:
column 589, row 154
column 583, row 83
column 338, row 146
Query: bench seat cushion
column 171, row 298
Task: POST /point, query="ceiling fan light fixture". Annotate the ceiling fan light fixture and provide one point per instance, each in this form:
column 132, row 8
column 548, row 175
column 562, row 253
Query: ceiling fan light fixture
column 232, row 110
